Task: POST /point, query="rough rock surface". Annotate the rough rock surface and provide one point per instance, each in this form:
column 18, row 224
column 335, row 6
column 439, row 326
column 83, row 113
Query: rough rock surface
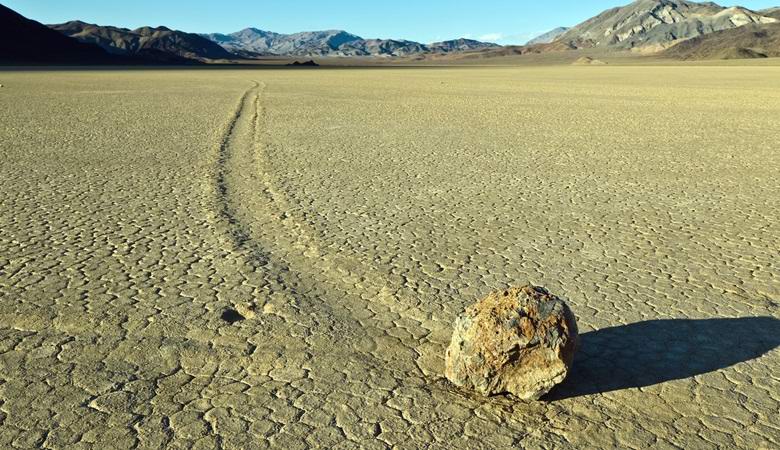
column 520, row 340
column 588, row 61
column 657, row 24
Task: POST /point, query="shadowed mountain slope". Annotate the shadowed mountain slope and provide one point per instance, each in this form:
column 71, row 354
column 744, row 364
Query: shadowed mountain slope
column 160, row 43
column 750, row 41
column 26, row 41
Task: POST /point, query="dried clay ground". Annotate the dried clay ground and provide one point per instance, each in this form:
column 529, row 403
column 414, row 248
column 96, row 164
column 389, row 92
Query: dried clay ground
column 349, row 216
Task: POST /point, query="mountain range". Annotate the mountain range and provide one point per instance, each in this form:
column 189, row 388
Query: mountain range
column 670, row 28
column 254, row 42
column 160, row 43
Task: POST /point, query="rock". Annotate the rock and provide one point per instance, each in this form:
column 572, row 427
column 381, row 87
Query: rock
column 520, row 341
column 588, row 61
column 309, row 63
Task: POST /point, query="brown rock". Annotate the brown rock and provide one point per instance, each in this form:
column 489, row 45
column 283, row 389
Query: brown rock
column 521, row 341
column 588, row 61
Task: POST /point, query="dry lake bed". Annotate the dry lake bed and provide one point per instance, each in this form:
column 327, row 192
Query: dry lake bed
column 274, row 258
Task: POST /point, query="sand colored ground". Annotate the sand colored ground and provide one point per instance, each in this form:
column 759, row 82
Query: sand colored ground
column 350, row 215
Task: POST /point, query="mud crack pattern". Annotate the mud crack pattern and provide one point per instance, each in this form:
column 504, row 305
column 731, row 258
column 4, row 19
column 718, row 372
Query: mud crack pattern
column 277, row 263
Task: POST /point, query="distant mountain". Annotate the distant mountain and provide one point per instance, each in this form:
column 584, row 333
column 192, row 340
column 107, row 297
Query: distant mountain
column 771, row 12
column 27, row 41
column 159, row 44
column 460, row 45
column 749, row 41
column 656, row 24
column 548, row 37
column 314, row 43
column 254, row 42
column 378, row 47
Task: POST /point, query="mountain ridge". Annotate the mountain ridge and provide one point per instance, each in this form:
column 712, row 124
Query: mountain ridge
column 23, row 41
column 749, row 41
column 157, row 43
column 773, row 12
column 656, row 24
column 644, row 26
column 332, row 43
column 548, row 37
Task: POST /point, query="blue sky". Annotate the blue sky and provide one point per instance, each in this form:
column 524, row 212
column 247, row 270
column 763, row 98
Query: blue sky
column 501, row 21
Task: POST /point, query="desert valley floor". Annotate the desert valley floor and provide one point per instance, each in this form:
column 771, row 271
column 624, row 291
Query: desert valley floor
column 348, row 216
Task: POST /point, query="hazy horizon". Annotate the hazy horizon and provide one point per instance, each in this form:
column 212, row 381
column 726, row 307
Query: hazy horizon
column 502, row 22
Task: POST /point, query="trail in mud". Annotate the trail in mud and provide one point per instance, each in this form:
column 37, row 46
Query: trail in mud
column 366, row 339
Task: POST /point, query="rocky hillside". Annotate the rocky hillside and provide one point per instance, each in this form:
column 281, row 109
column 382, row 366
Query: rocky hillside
column 749, row 41
column 460, row 45
column 160, row 44
column 378, row 47
column 269, row 43
column 656, row 24
column 25, row 41
column 252, row 41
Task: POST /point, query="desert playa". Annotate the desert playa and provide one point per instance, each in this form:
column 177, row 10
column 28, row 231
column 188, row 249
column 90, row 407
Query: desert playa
column 274, row 257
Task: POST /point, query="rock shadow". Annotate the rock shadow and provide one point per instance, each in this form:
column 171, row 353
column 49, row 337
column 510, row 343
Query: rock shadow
column 651, row 352
column 232, row 316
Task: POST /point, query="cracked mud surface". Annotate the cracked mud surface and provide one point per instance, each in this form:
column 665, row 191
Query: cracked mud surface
column 255, row 259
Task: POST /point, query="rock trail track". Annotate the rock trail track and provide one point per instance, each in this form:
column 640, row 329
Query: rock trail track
column 352, row 314
column 348, row 242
